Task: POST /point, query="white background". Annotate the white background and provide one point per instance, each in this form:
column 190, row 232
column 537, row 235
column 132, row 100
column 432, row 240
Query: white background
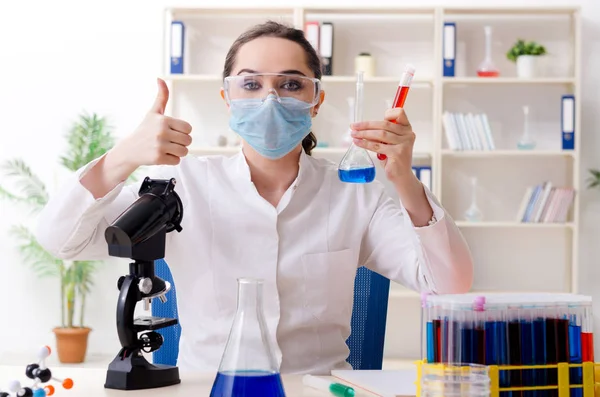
column 60, row 57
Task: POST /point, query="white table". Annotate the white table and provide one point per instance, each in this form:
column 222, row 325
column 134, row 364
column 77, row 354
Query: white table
column 89, row 382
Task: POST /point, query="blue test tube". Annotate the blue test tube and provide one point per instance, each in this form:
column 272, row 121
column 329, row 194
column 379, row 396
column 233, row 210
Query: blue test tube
column 527, row 345
column 539, row 347
column 575, row 315
column 515, row 348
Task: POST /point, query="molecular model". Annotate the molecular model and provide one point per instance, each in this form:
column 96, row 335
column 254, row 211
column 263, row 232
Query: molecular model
column 40, row 374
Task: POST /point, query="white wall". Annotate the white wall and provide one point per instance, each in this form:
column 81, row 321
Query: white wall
column 58, row 58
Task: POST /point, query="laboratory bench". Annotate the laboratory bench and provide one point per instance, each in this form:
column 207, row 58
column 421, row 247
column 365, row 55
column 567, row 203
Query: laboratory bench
column 89, row 382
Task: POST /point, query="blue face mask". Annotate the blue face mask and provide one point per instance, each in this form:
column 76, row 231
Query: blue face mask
column 274, row 127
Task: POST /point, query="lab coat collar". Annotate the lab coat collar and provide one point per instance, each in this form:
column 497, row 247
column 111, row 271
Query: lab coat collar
column 241, row 170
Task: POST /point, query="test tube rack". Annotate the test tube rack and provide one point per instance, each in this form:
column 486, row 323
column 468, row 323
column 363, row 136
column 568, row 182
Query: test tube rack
column 528, row 342
column 590, row 387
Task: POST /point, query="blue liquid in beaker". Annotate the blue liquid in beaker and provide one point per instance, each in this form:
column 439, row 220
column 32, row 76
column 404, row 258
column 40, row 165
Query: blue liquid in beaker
column 357, row 175
column 247, row 383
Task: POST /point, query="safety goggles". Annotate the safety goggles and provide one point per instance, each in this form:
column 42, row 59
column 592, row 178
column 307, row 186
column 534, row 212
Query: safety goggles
column 253, row 89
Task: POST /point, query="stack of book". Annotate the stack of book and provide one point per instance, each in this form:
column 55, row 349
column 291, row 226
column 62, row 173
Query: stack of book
column 545, row 203
column 468, row 131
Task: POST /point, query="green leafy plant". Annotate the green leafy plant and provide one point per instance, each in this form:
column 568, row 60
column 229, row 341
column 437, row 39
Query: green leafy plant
column 594, row 179
column 89, row 138
column 522, row 47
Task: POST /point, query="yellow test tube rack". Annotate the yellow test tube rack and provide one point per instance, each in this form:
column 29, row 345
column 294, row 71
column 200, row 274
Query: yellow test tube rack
column 591, row 373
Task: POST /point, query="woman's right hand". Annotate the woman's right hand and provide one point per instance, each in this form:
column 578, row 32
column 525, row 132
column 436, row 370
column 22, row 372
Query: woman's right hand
column 159, row 139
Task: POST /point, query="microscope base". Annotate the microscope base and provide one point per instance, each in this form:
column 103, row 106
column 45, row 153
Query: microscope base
column 136, row 373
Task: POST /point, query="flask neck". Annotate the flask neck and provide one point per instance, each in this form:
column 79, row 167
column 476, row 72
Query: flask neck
column 488, row 43
column 250, row 297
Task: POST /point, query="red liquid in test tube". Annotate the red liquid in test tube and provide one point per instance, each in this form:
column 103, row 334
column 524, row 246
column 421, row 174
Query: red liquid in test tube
column 401, row 94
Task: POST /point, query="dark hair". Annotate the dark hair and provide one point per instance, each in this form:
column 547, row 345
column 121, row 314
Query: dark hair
column 276, row 29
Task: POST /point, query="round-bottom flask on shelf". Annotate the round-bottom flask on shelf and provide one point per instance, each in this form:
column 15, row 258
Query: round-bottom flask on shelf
column 473, row 213
column 487, row 68
column 248, row 366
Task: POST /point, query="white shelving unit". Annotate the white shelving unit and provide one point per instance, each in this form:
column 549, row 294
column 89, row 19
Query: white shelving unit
column 509, row 255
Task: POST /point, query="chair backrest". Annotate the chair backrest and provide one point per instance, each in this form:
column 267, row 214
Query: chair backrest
column 369, row 315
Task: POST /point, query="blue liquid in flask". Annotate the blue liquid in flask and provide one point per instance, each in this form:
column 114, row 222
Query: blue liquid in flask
column 247, row 383
column 357, row 175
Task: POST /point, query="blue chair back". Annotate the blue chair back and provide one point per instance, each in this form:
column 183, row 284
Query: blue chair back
column 369, row 315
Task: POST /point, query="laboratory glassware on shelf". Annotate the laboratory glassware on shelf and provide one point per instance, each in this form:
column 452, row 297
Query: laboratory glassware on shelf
column 401, row 93
column 248, row 366
column 473, row 213
column 487, row 68
column 526, row 142
column 356, row 165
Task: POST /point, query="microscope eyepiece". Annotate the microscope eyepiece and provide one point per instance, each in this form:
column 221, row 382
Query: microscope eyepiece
column 158, row 209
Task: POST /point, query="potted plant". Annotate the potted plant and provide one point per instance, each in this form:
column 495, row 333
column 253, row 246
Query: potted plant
column 594, row 179
column 526, row 55
column 89, row 138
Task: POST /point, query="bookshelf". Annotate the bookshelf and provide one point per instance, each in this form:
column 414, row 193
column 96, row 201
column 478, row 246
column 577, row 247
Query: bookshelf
column 510, row 255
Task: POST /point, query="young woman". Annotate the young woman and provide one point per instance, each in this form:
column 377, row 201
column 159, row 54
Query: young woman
column 272, row 211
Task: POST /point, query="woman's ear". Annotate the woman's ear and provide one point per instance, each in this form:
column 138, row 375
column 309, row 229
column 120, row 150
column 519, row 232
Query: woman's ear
column 315, row 108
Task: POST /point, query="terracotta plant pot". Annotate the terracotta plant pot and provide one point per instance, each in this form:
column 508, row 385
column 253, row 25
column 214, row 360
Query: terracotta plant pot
column 71, row 344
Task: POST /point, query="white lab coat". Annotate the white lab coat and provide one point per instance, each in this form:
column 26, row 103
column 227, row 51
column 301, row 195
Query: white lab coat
column 307, row 251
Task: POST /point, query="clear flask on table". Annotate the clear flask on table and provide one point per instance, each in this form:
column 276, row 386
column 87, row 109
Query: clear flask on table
column 248, row 366
column 356, row 165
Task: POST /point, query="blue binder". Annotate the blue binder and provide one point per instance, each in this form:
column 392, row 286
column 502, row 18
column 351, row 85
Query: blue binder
column 449, row 49
column 423, row 173
column 567, row 121
column 177, row 41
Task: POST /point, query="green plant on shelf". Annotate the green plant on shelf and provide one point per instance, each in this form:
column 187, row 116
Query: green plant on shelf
column 522, row 47
column 89, row 138
column 594, row 179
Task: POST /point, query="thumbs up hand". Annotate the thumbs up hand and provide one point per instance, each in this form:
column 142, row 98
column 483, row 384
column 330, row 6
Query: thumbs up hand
column 159, row 139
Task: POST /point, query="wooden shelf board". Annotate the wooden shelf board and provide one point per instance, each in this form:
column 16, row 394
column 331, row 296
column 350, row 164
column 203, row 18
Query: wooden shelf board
column 507, row 153
column 507, row 80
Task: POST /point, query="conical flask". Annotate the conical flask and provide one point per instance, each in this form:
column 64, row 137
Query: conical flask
column 356, row 165
column 248, row 366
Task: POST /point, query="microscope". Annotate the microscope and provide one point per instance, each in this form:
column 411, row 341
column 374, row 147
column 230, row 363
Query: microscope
column 139, row 233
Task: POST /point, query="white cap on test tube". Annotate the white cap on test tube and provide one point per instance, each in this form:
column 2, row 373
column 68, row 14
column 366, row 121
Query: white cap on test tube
column 407, row 75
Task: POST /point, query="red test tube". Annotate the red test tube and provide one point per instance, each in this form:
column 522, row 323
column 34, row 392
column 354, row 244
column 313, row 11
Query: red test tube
column 401, row 93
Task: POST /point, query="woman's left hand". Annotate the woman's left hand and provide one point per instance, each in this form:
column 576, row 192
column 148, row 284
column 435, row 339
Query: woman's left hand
column 393, row 137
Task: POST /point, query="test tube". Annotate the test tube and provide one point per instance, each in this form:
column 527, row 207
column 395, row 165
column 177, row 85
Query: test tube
column 587, row 333
column 426, row 328
column 575, row 313
column 527, row 346
column 430, row 331
column 454, row 346
column 515, row 348
column 552, row 344
column 479, row 330
column 539, row 347
column 445, row 332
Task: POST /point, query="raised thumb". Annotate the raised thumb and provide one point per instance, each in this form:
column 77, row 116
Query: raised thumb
column 162, row 97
